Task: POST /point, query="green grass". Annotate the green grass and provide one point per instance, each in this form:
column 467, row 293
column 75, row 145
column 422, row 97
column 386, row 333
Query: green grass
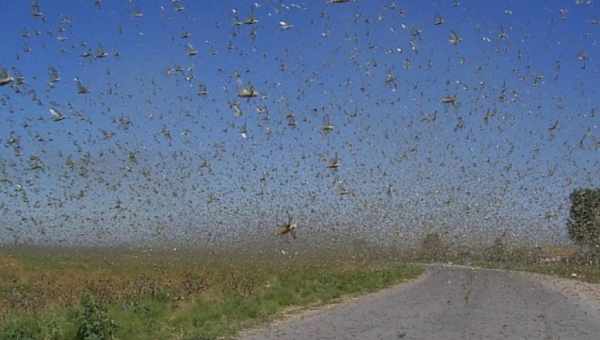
column 84, row 296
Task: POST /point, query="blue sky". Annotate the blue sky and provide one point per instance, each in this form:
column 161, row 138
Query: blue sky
column 519, row 62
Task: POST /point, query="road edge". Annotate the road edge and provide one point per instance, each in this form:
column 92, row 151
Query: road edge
column 300, row 312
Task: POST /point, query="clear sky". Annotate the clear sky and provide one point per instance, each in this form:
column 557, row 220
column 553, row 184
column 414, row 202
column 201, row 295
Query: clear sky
column 148, row 155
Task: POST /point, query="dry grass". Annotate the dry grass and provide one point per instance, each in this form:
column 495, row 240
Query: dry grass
column 167, row 294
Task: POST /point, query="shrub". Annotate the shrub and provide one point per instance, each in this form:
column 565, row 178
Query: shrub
column 93, row 321
column 584, row 218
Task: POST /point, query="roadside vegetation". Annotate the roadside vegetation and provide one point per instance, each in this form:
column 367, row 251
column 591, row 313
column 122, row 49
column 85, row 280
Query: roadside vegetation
column 567, row 261
column 87, row 294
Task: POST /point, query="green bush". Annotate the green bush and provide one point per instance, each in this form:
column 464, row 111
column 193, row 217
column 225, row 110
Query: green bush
column 93, row 321
column 584, row 218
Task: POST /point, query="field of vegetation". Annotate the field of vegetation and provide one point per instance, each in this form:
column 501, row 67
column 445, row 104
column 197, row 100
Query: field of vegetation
column 135, row 294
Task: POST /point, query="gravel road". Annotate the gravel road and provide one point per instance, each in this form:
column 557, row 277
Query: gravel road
column 453, row 302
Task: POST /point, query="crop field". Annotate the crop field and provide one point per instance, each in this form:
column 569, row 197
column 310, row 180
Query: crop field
column 88, row 294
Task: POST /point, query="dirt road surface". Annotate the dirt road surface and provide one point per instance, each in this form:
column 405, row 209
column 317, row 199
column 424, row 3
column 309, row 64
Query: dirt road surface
column 453, row 302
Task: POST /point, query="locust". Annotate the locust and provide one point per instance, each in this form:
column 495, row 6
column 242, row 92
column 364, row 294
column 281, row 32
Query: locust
column 248, row 92
column 334, row 164
column 288, row 228
column 5, row 78
column 449, row 100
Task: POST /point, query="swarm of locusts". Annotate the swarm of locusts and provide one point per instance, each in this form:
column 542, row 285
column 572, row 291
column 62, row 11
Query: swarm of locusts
column 316, row 107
